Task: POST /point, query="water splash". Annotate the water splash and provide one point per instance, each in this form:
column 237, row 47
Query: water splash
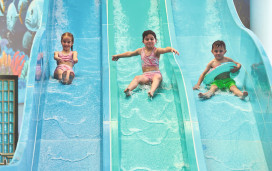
column 121, row 29
column 61, row 19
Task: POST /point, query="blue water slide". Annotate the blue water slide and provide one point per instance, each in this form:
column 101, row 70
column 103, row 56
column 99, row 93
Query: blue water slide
column 159, row 133
column 65, row 127
column 235, row 134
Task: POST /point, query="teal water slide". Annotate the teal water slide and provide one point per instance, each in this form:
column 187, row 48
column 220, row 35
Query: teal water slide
column 148, row 134
column 235, row 134
column 222, row 133
column 92, row 125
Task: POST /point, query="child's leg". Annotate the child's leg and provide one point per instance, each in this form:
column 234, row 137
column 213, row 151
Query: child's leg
column 58, row 74
column 71, row 77
column 155, row 84
column 238, row 93
column 140, row 79
column 67, row 76
column 209, row 93
column 64, row 79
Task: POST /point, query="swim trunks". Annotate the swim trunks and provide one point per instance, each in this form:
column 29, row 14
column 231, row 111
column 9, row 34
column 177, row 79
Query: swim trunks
column 150, row 74
column 224, row 83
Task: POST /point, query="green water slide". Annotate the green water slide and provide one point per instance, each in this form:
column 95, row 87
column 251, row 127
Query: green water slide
column 148, row 134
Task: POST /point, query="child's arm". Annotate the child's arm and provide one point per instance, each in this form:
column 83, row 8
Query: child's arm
column 126, row 54
column 235, row 68
column 201, row 78
column 56, row 56
column 75, row 59
column 166, row 50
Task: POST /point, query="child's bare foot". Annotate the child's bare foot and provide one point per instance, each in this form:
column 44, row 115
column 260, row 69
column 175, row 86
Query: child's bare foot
column 202, row 96
column 205, row 95
column 127, row 92
column 71, row 77
column 64, row 80
column 150, row 94
column 245, row 94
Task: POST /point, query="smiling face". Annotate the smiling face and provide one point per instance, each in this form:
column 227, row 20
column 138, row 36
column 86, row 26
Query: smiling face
column 149, row 41
column 219, row 52
column 67, row 43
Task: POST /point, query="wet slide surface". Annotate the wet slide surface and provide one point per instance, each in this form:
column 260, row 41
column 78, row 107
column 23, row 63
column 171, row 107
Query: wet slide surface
column 69, row 132
column 150, row 131
column 229, row 127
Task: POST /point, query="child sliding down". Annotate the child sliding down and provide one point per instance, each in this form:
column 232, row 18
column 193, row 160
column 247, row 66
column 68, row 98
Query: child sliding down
column 223, row 80
column 65, row 59
column 150, row 56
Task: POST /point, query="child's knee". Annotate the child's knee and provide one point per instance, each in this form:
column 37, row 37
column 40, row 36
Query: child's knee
column 214, row 87
column 58, row 75
column 158, row 77
column 137, row 78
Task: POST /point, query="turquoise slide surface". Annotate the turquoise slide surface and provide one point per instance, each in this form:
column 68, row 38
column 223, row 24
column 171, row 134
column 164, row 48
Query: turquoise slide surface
column 92, row 125
column 148, row 134
column 235, row 134
column 65, row 127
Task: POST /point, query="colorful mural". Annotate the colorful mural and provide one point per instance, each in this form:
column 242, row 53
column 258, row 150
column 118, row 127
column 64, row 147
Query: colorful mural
column 19, row 21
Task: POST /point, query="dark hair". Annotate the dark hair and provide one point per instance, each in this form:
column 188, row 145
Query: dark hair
column 147, row 32
column 69, row 35
column 219, row 43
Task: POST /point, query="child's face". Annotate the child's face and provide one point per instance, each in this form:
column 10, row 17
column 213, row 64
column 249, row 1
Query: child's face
column 67, row 43
column 149, row 41
column 219, row 52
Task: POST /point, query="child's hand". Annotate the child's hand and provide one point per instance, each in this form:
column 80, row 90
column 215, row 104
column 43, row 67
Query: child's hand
column 234, row 69
column 175, row 51
column 75, row 60
column 59, row 60
column 115, row 58
column 196, row 87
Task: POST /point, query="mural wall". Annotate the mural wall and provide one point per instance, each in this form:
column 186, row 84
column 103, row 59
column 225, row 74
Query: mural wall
column 19, row 21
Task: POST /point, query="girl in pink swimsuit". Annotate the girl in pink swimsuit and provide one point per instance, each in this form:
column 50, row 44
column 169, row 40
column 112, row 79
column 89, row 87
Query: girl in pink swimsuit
column 150, row 56
column 66, row 59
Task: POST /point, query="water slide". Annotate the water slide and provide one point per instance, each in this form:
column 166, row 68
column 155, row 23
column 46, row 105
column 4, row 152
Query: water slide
column 148, row 133
column 64, row 126
column 235, row 134
column 67, row 127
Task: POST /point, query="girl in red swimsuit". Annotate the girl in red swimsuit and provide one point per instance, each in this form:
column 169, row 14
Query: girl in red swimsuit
column 150, row 56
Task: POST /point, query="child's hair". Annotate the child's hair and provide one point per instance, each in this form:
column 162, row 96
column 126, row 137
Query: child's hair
column 219, row 43
column 147, row 32
column 69, row 35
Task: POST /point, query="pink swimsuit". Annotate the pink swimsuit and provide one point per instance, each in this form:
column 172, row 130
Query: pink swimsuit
column 65, row 67
column 150, row 61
